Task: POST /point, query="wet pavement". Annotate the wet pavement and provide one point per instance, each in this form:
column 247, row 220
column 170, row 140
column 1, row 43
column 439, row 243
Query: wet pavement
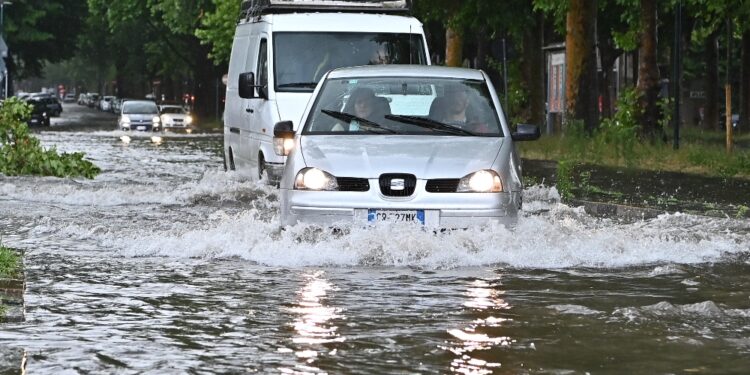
column 166, row 264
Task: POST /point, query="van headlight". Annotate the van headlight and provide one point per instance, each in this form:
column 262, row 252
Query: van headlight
column 189, row 120
column 125, row 120
column 315, row 179
column 484, row 181
column 156, row 120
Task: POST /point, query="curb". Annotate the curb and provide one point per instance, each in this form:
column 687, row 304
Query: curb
column 609, row 210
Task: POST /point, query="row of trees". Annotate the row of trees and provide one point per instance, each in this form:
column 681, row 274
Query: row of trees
column 596, row 33
column 188, row 42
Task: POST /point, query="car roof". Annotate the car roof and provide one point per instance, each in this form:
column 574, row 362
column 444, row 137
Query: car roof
column 139, row 101
column 406, row 71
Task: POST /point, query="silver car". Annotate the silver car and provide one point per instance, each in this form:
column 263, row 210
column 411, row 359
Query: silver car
column 142, row 115
column 403, row 144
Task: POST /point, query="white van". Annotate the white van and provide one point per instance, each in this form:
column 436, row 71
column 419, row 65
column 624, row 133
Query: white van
column 281, row 50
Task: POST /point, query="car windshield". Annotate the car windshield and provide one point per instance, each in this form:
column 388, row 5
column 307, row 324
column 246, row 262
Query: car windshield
column 172, row 110
column 299, row 68
column 147, row 108
column 411, row 106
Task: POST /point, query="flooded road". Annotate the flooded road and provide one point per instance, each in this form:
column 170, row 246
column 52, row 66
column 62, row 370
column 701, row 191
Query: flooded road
column 166, row 264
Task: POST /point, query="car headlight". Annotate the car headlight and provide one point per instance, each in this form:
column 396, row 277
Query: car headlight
column 125, row 120
column 189, row 120
column 315, row 179
column 156, row 120
column 485, row 181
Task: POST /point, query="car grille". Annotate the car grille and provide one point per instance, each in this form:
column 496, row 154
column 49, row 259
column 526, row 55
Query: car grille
column 353, row 184
column 446, row 185
column 387, row 184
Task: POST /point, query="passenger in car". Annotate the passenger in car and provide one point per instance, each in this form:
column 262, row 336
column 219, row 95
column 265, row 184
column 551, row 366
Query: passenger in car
column 455, row 108
column 364, row 104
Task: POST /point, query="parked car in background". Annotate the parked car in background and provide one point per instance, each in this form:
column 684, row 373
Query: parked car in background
column 105, row 104
column 116, row 105
column 141, row 115
column 69, row 98
column 39, row 113
column 175, row 117
column 92, row 99
column 404, row 144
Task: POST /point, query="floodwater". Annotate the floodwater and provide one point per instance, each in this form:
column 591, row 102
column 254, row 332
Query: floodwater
column 166, row 264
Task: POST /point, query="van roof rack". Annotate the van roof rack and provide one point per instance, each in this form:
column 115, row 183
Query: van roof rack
column 256, row 8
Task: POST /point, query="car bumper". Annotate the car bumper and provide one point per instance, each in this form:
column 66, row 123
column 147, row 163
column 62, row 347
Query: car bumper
column 440, row 210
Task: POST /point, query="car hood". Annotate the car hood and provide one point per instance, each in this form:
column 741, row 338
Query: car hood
column 140, row 117
column 368, row 156
column 174, row 116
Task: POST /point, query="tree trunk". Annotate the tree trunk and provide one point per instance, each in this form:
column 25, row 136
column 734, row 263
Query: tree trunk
column 533, row 69
column 711, row 112
column 648, row 73
column 745, row 83
column 581, row 76
column 454, row 45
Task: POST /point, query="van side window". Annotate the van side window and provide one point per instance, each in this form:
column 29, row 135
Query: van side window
column 263, row 64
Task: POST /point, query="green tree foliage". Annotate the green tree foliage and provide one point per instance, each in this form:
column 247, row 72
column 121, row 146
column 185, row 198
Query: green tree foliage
column 41, row 30
column 22, row 154
column 217, row 29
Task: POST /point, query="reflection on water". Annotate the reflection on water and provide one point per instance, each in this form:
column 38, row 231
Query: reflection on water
column 312, row 326
column 483, row 300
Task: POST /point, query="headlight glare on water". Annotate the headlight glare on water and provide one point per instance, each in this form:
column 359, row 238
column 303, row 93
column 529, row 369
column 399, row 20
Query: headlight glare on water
column 315, row 179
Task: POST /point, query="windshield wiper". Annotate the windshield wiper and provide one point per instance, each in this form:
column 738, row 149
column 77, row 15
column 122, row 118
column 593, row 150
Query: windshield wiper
column 310, row 85
column 364, row 123
column 427, row 123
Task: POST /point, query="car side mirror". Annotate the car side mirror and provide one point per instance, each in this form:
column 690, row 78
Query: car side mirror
column 526, row 133
column 283, row 138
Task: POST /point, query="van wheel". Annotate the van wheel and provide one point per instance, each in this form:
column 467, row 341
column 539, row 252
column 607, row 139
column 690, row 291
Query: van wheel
column 231, row 160
column 261, row 166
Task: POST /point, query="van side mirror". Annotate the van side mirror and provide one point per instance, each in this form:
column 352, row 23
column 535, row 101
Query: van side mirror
column 526, row 133
column 247, row 87
column 283, row 138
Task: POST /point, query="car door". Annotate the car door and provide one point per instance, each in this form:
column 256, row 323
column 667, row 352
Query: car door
column 257, row 110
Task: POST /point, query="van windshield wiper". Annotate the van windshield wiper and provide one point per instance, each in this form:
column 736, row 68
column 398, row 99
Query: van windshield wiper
column 310, row 85
column 427, row 123
column 364, row 123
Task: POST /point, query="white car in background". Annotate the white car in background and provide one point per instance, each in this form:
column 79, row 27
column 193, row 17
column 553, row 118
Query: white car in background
column 175, row 117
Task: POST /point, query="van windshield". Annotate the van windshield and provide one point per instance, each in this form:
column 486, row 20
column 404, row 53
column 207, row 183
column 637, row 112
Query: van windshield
column 302, row 58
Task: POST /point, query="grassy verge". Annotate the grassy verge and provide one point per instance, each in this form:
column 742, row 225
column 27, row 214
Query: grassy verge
column 700, row 153
column 10, row 265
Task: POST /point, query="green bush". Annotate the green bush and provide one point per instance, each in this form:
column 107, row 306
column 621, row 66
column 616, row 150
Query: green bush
column 22, row 154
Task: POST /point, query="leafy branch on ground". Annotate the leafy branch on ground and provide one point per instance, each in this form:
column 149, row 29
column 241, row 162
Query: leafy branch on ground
column 22, row 154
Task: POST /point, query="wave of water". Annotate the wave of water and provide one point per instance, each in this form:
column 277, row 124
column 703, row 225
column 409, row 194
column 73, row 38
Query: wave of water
column 184, row 210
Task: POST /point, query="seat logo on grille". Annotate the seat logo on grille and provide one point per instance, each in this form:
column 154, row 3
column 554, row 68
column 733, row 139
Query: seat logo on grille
column 398, row 184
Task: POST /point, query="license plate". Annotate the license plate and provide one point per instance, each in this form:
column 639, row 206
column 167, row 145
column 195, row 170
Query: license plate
column 395, row 216
column 141, row 128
